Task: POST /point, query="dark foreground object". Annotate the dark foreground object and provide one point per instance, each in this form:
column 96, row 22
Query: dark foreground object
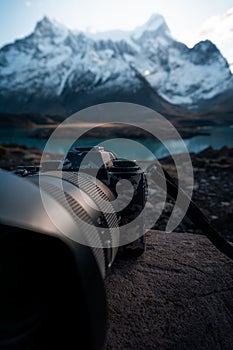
column 178, row 295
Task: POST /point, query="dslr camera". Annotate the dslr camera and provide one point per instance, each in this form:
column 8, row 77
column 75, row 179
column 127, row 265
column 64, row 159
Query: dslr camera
column 62, row 225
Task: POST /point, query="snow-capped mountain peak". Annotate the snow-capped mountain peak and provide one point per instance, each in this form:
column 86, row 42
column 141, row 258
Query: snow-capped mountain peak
column 55, row 66
column 156, row 23
column 44, row 23
column 50, row 27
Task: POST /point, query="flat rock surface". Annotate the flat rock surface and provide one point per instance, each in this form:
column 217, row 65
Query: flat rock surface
column 178, row 295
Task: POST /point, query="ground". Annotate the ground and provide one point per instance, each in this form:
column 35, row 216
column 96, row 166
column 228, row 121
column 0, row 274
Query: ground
column 177, row 296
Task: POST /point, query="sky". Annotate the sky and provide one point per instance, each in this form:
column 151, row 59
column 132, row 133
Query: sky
column 184, row 18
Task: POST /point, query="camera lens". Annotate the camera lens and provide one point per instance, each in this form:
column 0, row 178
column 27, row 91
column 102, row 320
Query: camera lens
column 52, row 290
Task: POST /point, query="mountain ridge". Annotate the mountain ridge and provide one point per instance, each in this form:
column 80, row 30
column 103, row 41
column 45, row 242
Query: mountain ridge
column 57, row 70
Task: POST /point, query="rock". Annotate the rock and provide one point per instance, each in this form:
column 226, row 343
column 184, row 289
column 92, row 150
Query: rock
column 14, row 155
column 178, row 295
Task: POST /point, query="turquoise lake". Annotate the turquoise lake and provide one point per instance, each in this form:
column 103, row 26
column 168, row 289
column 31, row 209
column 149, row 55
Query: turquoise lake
column 218, row 136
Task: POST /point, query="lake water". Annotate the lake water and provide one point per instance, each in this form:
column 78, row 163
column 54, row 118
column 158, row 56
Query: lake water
column 132, row 149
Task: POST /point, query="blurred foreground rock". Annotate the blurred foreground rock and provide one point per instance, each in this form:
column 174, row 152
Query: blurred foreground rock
column 13, row 155
column 178, row 295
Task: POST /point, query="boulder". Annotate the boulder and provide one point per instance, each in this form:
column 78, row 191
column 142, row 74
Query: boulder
column 178, row 295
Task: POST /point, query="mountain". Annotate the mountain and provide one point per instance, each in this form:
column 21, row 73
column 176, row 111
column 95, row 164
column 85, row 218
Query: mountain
column 56, row 70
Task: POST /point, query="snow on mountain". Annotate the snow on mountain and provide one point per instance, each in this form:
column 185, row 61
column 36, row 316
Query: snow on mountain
column 155, row 24
column 55, row 64
column 199, row 73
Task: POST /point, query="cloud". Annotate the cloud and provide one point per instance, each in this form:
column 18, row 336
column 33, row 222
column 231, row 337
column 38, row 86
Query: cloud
column 219, row 29
column 28, row 3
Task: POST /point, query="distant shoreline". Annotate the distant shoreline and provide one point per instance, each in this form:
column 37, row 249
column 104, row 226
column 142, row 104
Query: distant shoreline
column 45, row 128
column 192, row 120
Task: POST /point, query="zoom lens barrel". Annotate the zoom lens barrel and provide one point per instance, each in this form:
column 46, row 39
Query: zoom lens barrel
column 52, row 290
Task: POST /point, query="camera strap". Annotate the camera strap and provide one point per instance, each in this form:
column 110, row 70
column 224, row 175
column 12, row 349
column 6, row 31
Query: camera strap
column 195, row 214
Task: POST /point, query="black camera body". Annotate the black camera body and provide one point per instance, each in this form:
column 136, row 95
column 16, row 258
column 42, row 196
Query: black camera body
column 104, row 165
column 110, row 170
